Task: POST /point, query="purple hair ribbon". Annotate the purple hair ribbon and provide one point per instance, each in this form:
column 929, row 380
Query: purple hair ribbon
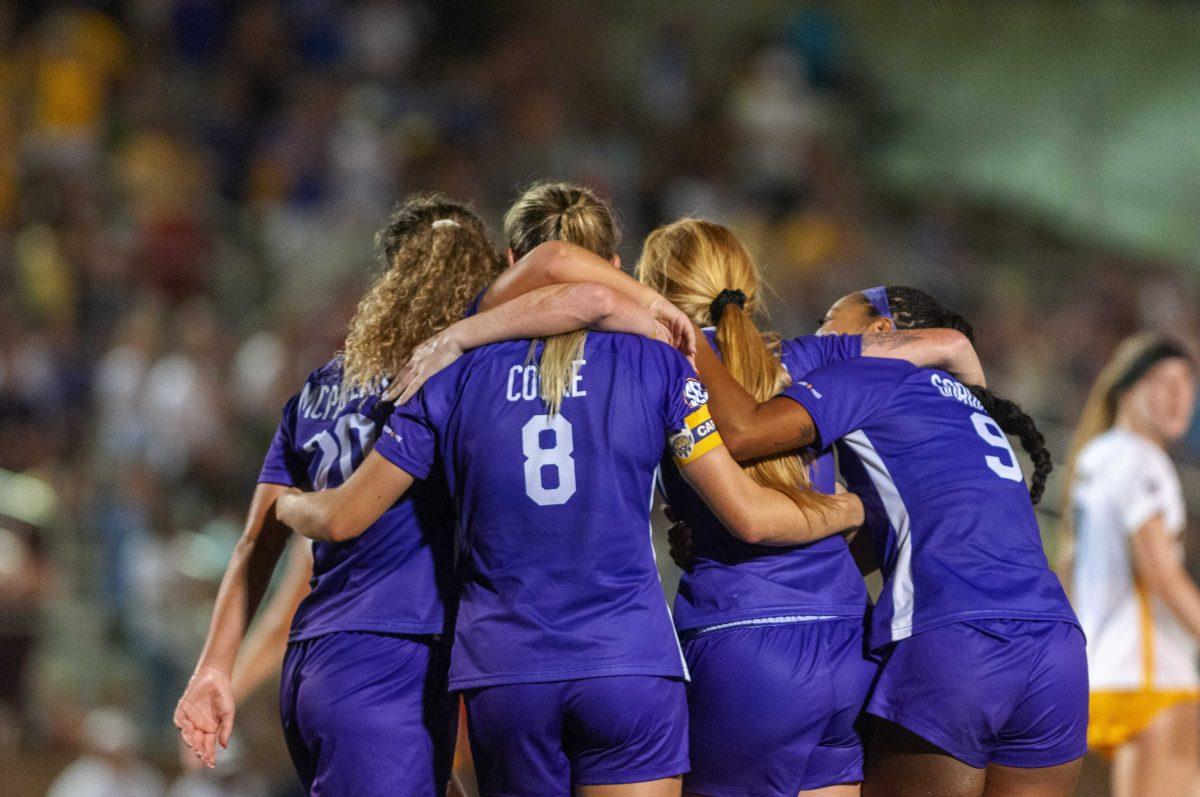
column 878, row 298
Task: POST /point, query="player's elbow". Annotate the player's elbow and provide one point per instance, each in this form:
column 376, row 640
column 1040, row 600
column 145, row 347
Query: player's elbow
column 592, row 302
column 322, row 524
column 749, row 526
column 734, row 436
column 336, row 528
column 552, row 259
column 955, row 344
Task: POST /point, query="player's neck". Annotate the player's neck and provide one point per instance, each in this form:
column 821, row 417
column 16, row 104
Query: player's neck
column 1132, row 422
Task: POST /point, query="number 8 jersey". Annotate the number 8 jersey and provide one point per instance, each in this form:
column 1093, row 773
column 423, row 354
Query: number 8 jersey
column 947, row 506
column 559, row 578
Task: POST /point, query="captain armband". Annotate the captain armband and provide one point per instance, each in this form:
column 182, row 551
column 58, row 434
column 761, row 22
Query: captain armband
column 697, row 438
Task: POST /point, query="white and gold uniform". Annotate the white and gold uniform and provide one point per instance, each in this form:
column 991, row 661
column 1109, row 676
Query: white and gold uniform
column 1141, row 660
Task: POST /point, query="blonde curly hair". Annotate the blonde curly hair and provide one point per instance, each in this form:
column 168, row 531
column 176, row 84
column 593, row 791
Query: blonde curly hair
column 436, row 258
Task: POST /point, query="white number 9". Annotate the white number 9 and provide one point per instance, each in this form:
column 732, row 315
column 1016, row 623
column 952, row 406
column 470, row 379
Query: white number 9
column 993, row 435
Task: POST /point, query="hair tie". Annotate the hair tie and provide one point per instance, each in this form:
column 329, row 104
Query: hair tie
column 1163, row 350
column 725, row 297
column 878, row 298
column 444, row 223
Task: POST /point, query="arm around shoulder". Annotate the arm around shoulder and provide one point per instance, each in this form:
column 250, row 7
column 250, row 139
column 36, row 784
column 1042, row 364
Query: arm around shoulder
column 344, row 512
column 759, row 515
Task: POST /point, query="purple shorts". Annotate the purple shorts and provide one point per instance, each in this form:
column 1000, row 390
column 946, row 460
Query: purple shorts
column 1010, row 692
column 540, row 739
column 368, row 714
column 773, row 707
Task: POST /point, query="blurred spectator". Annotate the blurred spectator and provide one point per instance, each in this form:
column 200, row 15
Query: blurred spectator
column 26, row 581
column 777, row 115
column 110, row 765
column 230, row 778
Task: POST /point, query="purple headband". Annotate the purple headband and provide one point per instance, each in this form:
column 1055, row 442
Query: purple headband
column 879, row 300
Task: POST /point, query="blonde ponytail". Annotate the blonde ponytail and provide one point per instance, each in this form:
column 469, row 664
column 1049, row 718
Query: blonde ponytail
column 691, row 262
column 560, row 212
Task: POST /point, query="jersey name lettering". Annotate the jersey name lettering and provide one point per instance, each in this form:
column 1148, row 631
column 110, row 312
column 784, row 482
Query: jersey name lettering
column 952, row 388
column 525, row 382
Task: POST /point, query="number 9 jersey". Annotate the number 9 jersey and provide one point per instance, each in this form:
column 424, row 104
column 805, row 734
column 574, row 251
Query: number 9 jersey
column 954, row 529
column 558, row 578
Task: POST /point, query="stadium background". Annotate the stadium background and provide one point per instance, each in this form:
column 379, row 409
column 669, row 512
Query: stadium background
column 189, row 189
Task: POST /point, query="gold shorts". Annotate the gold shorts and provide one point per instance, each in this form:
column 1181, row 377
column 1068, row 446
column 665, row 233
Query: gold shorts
column 1118, row 716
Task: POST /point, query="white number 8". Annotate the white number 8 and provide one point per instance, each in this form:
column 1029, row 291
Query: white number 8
column 557, row 456
column 993, row 435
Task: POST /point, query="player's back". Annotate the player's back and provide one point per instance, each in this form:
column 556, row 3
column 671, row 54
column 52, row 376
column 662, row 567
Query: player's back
column 394, row 578
column 954, row 527
column 730, row 581
column 559, row 577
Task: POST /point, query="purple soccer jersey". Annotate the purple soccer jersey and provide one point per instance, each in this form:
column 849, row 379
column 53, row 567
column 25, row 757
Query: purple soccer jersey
column 732, row 581
column 559, row 578
column 947, row 506
column 395, row 577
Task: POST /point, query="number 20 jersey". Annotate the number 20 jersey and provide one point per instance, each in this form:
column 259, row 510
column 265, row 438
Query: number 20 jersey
column 947, row 507
column 558, row 575
column 395, row 577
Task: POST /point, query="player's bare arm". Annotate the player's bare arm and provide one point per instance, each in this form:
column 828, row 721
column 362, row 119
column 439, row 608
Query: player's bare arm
column 759, row 515
column 205, row 712
column 346, row 511
column 262, row 651
column 947, row 349
column 1158, row 566
column 559, row 262
column 751, row 429
column 748, row 510
column 542, row 312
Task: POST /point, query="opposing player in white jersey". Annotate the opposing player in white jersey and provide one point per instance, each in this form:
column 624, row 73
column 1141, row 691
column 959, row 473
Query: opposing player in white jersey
column 1138, row 606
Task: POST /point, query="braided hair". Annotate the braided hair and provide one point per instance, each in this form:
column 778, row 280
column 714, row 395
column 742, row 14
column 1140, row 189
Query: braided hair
column 914, row 309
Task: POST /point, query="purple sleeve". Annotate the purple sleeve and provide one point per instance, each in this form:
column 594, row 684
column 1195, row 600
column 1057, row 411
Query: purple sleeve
column 408, row 440
column 690, row 431
column 682, row 391
column 845, row 396
column 473, row 307
column 810, row 352
column 284, row 464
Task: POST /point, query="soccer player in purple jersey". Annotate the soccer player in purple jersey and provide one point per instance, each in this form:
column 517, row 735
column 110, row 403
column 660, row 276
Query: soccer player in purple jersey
column 983, row 686
column 755, row 746
column 763, row 628
column 364, row 661
column 563, row 644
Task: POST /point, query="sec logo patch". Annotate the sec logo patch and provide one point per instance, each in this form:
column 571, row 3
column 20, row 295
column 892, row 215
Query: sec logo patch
column 694, row 393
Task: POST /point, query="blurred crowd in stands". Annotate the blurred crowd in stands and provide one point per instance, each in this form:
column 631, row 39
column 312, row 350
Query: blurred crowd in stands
column 188, row 195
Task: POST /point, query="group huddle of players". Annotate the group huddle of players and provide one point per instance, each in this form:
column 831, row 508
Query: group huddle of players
column 477, row 471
